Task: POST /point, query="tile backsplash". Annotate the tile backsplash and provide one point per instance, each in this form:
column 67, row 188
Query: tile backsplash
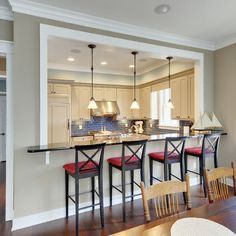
column 83, row 127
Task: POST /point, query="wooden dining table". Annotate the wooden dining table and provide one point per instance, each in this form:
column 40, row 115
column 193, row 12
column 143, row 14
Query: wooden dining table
column 222, row 212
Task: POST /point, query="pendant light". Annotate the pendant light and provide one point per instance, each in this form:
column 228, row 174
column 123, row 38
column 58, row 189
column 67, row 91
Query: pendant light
column 170, row 104
column 92, row 104
column 134, row 104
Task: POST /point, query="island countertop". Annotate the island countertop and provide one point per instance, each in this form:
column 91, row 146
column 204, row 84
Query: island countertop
column 114, row 141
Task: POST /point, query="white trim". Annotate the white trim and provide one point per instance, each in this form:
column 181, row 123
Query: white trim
column 6, row 13
column 155, row 51
column 77, row 18
column 7, row 48
column 226, row 42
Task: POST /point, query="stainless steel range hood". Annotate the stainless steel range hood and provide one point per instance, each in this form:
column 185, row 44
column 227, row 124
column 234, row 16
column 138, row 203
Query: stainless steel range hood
column 106, row 108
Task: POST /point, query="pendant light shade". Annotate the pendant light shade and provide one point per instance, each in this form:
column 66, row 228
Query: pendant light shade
column 134, row 104
column 92, row 104
column 169, row 104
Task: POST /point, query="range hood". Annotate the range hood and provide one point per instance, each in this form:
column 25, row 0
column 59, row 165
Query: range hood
column 106, row 108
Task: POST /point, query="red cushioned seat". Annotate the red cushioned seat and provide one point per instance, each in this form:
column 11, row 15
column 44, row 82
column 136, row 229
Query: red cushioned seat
column 117, row 161
column 196, row 151
column 159, row 156
column 89, row 167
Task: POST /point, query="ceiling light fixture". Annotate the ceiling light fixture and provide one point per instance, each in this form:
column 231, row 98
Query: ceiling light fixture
column 131, row 66
column 162, row 9
column 170, row 104
column 92, row 104
column 134, row 104
column 71, row 59
column 103, row 63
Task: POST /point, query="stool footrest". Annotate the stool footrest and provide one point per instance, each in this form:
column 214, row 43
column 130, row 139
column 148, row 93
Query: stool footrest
column 193, row 172
column 176, row 177
column 157, row 179
column 93, row 205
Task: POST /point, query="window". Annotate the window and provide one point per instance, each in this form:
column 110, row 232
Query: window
column 160, row 110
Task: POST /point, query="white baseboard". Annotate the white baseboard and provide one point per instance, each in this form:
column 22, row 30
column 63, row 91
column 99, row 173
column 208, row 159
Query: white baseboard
column 47, row 216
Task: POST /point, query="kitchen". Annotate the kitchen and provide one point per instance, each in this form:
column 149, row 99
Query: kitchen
column 69, row 91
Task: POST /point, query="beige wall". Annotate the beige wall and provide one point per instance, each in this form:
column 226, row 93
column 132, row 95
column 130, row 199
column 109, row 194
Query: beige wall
column 225, row 97
column 39, row 187
column 6, row 30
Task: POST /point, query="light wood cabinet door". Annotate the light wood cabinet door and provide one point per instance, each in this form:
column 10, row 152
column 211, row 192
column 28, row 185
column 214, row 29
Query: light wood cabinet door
column 124, row 100
column 145, row 102
column 83, row 101
column 62, row 89
column 184, row 101
column 58, row 123
column 175, row 98
column 110, row 94
column 50, row 88
column 98, row 94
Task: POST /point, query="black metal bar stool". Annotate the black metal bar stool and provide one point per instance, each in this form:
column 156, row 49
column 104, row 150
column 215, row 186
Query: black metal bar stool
column 128, row 162
column 173, row 153
column 209, row 148
column 86, row 168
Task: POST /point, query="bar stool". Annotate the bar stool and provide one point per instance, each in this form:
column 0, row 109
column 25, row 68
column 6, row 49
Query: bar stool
column 88, row 168
column 128, row 162
column 173, row 153
column 209, row 148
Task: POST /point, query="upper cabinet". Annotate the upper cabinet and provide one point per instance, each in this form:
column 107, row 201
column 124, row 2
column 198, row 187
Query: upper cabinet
column 124, row 100
column 59, row 89
column 182, row 96
column 145, row 101
column 108, row 94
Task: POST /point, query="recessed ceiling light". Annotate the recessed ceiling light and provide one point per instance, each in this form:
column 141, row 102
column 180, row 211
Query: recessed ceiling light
column 131, row 66
column 70, row 59
column 162, row 9
column 75, row 50
column 103, row 63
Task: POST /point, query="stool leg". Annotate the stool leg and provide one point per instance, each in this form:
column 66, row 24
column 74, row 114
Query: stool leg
column 151, row 170
column 185, row 163
column 77, row 206
column 66, row 192
column 100, row 180
column 123, row 193
column 215, row 160
column 202, row 177
column 169, row 169
column 165, row 172
column 93, row 189
column 110, row 183
column 200, row 169
column 132, row 184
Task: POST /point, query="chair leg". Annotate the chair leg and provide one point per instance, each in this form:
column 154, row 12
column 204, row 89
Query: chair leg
column 93, row 191
column 100, row 180
column 165, row 172
column 200, row 169
column 123, row 194
column 77, row 206
column 169, row 169
column 110, row 183
column 132, row 184
column 215, row 161
column 66, row 193
column 151, row 170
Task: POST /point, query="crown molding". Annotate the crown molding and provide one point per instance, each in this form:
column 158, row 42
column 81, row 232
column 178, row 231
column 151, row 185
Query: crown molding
column 68, row 16
column 6, row 13
column 226, row 42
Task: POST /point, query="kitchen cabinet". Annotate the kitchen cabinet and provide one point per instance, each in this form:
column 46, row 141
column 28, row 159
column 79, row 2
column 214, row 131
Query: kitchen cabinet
column 145, row 102
column 98, row 94
column 80, row 100
column 182, row 96
column 110, row 94
column 59, row 89
column 58, row 121
column 124, row 100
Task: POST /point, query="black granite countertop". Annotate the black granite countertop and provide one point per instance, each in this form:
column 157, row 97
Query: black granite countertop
column 114, row 141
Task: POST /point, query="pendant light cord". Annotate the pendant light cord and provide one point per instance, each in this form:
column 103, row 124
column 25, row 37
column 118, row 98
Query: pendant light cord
column 92, row 69
column 134, row 76
column 169, row 72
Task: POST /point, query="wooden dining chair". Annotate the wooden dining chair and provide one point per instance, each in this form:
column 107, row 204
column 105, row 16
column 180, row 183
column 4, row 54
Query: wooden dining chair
column 217, row 181
column 165, row 196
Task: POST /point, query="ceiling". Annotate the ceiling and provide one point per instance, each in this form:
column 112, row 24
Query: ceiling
column 118, row 59
column 210, row 20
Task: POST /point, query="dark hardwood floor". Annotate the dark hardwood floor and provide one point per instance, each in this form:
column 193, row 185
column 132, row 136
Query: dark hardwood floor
column 89, row 222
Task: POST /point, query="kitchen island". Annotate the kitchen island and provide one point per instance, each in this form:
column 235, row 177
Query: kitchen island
column 61, row 154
